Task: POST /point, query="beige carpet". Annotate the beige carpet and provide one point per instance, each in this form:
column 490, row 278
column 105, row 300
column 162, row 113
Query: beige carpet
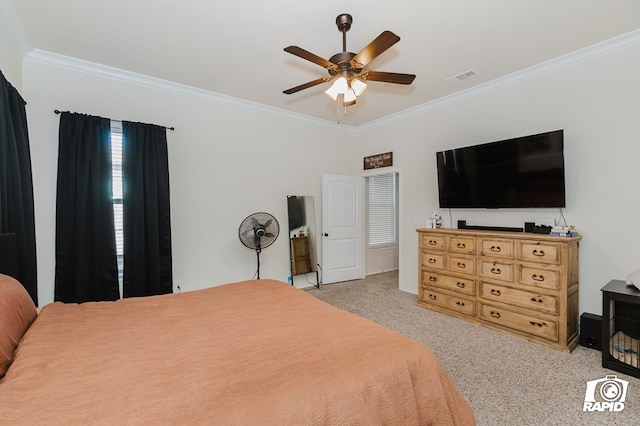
column 505, row 379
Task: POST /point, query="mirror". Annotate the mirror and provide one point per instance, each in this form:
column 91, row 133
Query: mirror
column 302, row 237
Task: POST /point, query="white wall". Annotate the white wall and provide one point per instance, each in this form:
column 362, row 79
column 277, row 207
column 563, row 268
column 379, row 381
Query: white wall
column 381, row 260
column 10, row 58
column 596, row 103
column 225, row 163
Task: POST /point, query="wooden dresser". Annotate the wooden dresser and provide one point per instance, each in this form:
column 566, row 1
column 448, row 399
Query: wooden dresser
column 300, row 256
column 519, row 283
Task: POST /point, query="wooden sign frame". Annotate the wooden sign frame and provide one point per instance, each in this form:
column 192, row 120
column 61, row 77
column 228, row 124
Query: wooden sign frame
column 378, row 160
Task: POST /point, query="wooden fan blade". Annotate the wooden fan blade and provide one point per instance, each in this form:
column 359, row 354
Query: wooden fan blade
column 389, row 77
column 376, row 47
column 304, row 54
column 306, row 85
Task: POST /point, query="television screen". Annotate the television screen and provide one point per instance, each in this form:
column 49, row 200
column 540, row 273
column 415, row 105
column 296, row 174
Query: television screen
column 296, row 212
column 514, row 173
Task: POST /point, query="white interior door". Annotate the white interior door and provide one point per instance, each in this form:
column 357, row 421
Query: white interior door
column 342, row 228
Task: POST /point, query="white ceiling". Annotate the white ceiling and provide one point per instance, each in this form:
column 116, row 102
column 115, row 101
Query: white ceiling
column 236, row 48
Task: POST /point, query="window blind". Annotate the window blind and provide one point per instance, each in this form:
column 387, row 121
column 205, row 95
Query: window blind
column 382, row 206
column 116, row 181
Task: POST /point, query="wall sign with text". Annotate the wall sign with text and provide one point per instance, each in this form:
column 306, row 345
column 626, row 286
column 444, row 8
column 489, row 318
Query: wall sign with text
column 379, row 160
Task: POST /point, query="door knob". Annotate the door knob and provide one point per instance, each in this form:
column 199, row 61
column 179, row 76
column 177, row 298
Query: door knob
column 326, row 235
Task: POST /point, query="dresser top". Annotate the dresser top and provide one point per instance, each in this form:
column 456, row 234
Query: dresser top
column 500, row 234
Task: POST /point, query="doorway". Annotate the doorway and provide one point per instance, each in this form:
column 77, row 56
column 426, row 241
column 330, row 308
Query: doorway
column 382, row 222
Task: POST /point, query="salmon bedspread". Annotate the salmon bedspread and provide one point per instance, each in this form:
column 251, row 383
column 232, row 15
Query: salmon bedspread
column 250, row 353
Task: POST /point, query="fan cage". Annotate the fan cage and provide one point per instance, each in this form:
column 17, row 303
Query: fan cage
column 256, row 222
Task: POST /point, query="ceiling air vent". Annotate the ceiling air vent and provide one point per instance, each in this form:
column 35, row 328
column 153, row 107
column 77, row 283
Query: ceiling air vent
column 462, row 76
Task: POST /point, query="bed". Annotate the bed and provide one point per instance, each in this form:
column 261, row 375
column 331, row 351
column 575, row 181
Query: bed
column 255, row 352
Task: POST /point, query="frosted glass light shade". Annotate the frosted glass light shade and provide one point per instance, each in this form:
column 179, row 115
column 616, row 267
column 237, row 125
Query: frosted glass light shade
column 349, row 96
column 358, row 86
column 338, row 87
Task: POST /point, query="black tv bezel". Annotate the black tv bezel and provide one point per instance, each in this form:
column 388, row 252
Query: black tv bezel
column 557, row 201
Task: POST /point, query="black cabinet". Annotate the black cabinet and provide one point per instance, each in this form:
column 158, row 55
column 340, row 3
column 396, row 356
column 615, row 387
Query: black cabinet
column 621, row 328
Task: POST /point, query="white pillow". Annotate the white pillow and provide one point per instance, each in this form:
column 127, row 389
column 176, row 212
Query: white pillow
column 634, row 279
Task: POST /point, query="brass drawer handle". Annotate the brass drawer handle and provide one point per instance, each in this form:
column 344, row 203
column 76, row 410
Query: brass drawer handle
column 432, row 296
column 536, row 324
column 461, row 265
column 433, row 279
column 537, row 277
column 432, row 260
column 495, row 314
column 461, row 245
column 496, row 271
column 495, row 292
column 495, row 249
column 460, row 303
column 459, row 284
column 538, row 253
column 538, row 299
column 432, row 242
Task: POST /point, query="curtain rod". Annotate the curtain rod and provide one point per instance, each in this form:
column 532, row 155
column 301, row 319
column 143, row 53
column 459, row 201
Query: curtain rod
column 57, row 111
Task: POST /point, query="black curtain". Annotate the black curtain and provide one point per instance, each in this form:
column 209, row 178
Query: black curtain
column 147, row 219
column 86, row 260
column 16, row 184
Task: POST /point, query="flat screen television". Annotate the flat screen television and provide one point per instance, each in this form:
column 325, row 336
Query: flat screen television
column 521, row 172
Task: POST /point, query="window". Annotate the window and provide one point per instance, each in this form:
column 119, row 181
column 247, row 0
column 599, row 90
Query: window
column 382, row 210
column 116, row 180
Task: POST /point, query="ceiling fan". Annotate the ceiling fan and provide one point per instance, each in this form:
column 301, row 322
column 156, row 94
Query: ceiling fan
column 347, row 69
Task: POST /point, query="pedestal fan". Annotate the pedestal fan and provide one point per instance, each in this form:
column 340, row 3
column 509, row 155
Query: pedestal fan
column 258, row 231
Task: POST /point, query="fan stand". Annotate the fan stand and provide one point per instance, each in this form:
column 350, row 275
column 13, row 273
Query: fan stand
column 258, row 230
column 258, row 250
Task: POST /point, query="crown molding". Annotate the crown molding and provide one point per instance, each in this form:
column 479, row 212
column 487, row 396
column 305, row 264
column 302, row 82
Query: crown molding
column 142, row 80
column 66, row 62
column 590, row 52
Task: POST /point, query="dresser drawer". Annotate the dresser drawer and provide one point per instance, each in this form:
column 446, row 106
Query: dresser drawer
column 462, row 265
column 453, row 303
column 458, row 285
column 430, row 278
column 532, row 251
column 526, row 299
column 497, row 248
column 432, row 260
column 465, row 245
column 545, row 328
column 495, row 270
column 538, row 277
column 432, row 242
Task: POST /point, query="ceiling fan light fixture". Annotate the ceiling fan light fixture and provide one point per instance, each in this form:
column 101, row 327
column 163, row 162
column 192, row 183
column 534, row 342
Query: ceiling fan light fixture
column 349, row 97
column 358, row 86
column 339, row 87
column 348, row 72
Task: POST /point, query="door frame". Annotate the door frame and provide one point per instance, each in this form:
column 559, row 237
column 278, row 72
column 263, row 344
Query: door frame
column 384, row 171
